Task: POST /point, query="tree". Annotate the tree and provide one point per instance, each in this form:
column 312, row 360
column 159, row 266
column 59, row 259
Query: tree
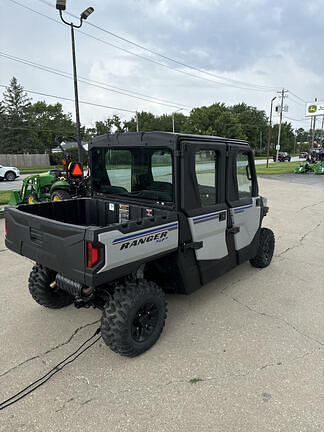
column 214, row 120
column 15, row 136
column 46, row 122
column 287, row 136
column 254, row 124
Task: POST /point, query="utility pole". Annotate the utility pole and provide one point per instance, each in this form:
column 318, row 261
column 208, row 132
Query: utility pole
column 260, row 141
column 173, row 126
column 283, row 91
column 269, row 131
column 137, row 126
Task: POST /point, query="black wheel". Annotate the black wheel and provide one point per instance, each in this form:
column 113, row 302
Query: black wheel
column 134, row 317
column 10, row 176
column 39, row 286
column 265, row 249
column 60, row 195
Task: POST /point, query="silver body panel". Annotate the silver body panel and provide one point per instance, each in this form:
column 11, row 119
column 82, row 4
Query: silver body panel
column 247, row 218
column 121, row 249
column 212, row 232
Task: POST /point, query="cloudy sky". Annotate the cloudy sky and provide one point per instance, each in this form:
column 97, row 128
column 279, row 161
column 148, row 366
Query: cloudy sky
column 248, row 49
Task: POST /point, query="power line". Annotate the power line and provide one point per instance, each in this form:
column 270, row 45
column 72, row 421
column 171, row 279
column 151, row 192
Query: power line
column 152, row 60
column 289, row 118
column 92, row 82
column 167, row 57
column 298, row 97
column 72, row 100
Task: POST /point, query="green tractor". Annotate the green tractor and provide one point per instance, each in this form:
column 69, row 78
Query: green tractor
column 55, row 185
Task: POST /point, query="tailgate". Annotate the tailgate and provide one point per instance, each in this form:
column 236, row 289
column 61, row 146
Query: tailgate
column 56, row 245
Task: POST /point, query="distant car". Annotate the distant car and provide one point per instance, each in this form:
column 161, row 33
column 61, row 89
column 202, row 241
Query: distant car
column 303, row 155
column 9, row 173
column 282, row 157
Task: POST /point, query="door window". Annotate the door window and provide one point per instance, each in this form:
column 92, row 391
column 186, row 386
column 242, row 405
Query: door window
column 205, row 169
column 243, row 175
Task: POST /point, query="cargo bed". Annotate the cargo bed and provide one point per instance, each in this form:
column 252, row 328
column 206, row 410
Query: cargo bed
column 55, row 234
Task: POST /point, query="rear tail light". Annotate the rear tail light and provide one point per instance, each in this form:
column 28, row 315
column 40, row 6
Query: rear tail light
column 93, row 254
column 6, row 229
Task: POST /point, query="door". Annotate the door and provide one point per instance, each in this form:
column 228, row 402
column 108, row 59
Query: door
column 204, row 203
column 244, row 201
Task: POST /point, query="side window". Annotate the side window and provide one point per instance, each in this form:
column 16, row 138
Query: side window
column 205, row 169
column 162, row 166
column 243, row 175
column 118, row 166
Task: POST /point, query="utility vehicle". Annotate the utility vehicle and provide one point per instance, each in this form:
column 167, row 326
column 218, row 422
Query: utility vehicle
column 167, row 213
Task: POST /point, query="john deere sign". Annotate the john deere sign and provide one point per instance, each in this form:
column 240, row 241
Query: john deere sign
column 314, row 109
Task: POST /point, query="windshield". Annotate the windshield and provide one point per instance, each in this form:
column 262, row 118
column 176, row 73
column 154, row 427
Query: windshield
column 139, row 172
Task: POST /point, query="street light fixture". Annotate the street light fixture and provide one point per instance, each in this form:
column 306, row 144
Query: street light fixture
column 61, row 6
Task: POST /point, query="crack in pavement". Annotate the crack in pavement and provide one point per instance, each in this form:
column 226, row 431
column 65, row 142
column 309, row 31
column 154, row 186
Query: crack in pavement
column 302, row 238
column 212, row 378
column 38, row 356
column 296, row 329
column 310, row 206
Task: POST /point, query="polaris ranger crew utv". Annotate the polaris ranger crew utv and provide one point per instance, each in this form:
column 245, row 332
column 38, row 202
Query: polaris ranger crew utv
column 168, row 213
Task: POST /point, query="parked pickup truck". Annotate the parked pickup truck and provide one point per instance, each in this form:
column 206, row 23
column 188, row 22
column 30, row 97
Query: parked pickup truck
column 167, row 213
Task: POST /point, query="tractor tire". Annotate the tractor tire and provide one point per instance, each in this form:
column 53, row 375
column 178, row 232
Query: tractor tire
column 10, row 176
column 39, row 282
column 133, row 318
column 265, row 249
column 60, row 195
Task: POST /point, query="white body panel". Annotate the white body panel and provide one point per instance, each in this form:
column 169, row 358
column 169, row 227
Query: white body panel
column 212, row 232
column 121, row 249
column 247, row 218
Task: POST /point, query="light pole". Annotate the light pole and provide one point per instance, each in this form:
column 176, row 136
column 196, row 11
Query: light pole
column 180, row 109
column 61, row 6
column 269, row 132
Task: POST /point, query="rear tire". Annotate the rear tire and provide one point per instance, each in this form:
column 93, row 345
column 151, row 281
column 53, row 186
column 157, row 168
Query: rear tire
column 10, row 176
column 39, row 287
column 60, row 195
column 265, row 249
column 134, row 317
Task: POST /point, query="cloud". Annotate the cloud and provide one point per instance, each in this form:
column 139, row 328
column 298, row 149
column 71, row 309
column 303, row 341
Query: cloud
column 271, row 43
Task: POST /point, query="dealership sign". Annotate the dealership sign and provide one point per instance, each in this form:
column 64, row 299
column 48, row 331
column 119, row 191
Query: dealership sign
column 314, row 109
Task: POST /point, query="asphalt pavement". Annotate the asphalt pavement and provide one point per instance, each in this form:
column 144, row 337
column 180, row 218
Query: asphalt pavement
column 244, row 353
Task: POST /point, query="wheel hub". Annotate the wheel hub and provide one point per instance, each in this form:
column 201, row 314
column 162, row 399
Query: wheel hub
column 144, row 322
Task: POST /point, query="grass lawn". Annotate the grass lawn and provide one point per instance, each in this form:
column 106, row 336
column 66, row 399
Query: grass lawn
column 36, row 169
column 277, row 168
column 4, row 197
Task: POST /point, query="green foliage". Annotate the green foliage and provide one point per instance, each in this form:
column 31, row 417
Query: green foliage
column 32, row 127
column 287, row 137
column 46, row 122
column 14, row 119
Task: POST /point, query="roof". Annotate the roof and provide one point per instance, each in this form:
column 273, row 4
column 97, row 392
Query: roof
column 70, row 145
column 167, row 139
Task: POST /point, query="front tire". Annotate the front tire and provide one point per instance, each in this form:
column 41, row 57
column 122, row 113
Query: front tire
column 60, row 195
column 39, row 287
column 265, row 249
column 10, row 176
column 134, row 317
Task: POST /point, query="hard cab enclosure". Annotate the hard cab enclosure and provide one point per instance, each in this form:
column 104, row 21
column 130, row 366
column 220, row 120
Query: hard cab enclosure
column 182, row 209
